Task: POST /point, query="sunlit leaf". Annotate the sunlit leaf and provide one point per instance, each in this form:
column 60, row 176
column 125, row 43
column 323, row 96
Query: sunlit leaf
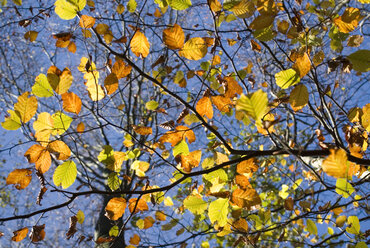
column 115, row 208
column 142, row 130
column 60, row 149
column 26, row 107
column 311, row 227
column 174, row 137
column 71, row 102
column 218, row 211
column 67, row 9
column 42, row 88
column 245, row 198
column 137, row 205
column 87, row 21
column 20, row 234
column 353, row 225
column 131, row 5
column 151, row 105
column 40, row 156
column 195, row 204
column 302, row 65
column 139, row 45
column 298, row 97
column 65, row 174
column 194, row 49
column 43, row 126
column 20, row 177
column 179, row 4
column 61, row 123
column 254, row 105
column 12, row 121
column 190, row 161
column 135, row 239
column 204, row 107
column 80, row 216
column 174, row 37
column 285, row 79
column 344, row 188
column 111, row 83
column 121, row 69
column 336, row 164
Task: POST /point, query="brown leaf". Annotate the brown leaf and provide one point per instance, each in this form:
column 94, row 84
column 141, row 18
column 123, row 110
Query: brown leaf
column 142, row 130
column 72, row 227
column 111, row 83
column 135, row 240
column 289, row 204
column 38, row 233
column 241, row 224
column 71, row 102
column 223, row 104
column 245, row 198
column 115, row 208
column 20, row 177
column 255, row 46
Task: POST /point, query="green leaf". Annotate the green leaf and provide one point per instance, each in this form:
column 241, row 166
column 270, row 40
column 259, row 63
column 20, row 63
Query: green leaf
column 218, row 174
column 131, row 6
column 354, row 225
column 229, row 4
column 195, row 204
column 65, row 174
column 361, row 245
column 181, row 148
column 218, row 211
column 113, row 181
column 114, row 231
column 254, row 105
column 344, row 188
column 360, row 60
column 42, row 88
column 287, row 78
column 61, row 123
column 151, row 105
column 12, row 122
column 179, row 4
column 67, row 9
column 311, row 227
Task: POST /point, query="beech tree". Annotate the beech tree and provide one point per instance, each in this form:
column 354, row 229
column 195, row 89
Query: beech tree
column 179, row 123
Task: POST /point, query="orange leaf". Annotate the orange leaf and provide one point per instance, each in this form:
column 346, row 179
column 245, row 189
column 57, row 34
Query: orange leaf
column 20, row 177
column 190, row 161
column 241, row 224
column 159, row 215
column 43, row 162
column 60, row 148
column 137, row 205
column 232, row 87
column 111, row 83
column 115, row 208
column 174, row 37
column 242, row 181
column 71, row 102
column 87, row 21
column 255, row 46
column 135, row 240
column 245, row 198
column 80, row 127
column 148, row 222
column 174, row 137
column 139, row 45
column 121, row 69
column 33, row 153
column 26, row 107
column 20, row 234
column 222, row 103
column 72, row 47
column 302, row 65
column 247, row 166
column 335, row 164
column 142, row 130
column 204, row 107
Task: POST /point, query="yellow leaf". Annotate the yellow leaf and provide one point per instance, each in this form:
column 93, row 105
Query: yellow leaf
column 60, row 148
column 20, row 234
column 87, row 21
column 111, row 83
column 302, row 65
column 95, row 90
column 349, row 20
column 115, row 208
column 214, row 5
column 12, row 121
column 40, row 156
column 67, row 9
column 247, row 166
column 245, row 198
column 31, row 35
column 194, row 49
column 174, row 37
column 26, row 107
column 43, row 126
column 204, row 107
column 120, row 8
column 335, row 164
column 59, row 81
column 298, row 97
column 71, row 102
column 243, row 9
column 139, row 45
column 365, row 119
column 20, row 177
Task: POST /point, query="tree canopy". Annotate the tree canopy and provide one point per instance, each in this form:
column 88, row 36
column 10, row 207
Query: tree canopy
column 184, row 123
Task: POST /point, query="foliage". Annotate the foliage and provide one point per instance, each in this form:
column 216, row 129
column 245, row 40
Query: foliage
column 241, row 123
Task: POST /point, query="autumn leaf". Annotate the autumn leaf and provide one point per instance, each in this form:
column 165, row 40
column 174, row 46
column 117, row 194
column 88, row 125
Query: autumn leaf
column 223, row 104
column 298, row 97
column 20, row 177
column 42, row 88
column 71, row 102
column 349, row 20
column 194, row 49
column 111, row 83
column 262, row 21
column 302, row 65
column 242, row 9
column 20, row 234
column 174, row 37
column 60, row 148
column 142, row 130
column 61, row 123
column 121, row 69
column 115, row 208
column 96, row 92
column 241, row 224
column 67, row 9
column 285, row 79
column 139, row 45
column 43, row 126
column 38, row 233
column 65, row 174
column 195, row 204
column 80, row 127
column 12, row 121
column 60, row 82
column 218, row 211
column 254, row 105
column 137, row 205
column 135, row 239
column 245, row 198
column 40, row 156
column 174, row 137
column 336, row 164
column 204, row 107
column 190, row 161
column 26, row 107
column 87, row 21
